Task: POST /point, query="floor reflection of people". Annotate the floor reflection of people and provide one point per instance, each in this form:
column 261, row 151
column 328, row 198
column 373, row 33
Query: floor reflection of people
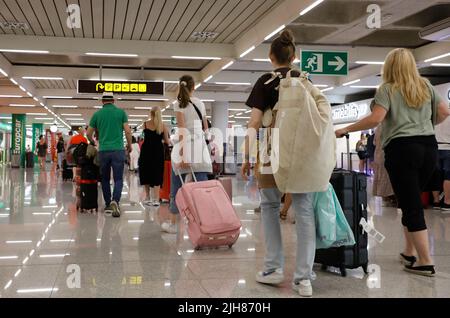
column 42, row 186
column 134, row 189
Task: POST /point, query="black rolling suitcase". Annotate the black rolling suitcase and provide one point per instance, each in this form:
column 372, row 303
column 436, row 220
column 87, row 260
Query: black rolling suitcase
column 351, row 190
column 88, row 187
column 67, row 172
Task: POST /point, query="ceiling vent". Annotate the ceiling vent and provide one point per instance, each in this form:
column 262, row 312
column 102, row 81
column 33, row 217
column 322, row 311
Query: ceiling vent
column 439, row 31
column 14, row 25
column 204, row 35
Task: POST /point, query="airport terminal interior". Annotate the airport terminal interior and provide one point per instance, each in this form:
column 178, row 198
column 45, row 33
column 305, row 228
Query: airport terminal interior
column 59, row 57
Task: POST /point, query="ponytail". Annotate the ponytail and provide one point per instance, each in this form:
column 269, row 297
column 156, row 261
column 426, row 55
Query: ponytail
column 187, row 85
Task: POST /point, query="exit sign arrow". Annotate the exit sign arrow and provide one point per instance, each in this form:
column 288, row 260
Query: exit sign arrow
column 338, row 62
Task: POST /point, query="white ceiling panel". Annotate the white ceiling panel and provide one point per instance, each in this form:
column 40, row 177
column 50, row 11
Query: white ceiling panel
column 53, row 16
column 152, row 20
column 163, row 19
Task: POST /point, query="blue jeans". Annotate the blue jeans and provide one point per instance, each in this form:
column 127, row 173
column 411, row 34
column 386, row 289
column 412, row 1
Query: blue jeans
column 175, row 185
column 116, row 161
column 302, row 204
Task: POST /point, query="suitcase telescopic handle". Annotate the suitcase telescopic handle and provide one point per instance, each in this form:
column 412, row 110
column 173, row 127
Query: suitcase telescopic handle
column 349, row 157
column 179, row 175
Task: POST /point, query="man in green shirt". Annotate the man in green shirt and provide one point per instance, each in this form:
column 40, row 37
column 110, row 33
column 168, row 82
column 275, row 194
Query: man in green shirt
column 110, row 122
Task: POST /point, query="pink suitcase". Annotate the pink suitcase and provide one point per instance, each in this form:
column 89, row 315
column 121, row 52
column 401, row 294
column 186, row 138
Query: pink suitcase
column 212, row 220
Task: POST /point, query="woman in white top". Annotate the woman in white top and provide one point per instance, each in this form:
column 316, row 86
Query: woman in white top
column 190, row 151
column 134, row 154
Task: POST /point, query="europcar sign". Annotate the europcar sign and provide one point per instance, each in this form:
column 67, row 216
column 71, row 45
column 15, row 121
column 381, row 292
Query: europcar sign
column 18, row 132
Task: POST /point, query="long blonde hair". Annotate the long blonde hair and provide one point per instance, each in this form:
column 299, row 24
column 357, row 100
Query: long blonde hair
column 155, row 114
column 400, row 70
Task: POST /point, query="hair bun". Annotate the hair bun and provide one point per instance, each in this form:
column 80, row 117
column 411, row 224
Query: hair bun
column 287, row 37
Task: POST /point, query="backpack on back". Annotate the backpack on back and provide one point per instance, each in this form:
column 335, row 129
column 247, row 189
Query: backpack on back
column 303, row 142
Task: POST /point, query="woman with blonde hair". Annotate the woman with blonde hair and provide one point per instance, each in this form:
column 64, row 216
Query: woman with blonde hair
column 407, row 107
column 151, row 159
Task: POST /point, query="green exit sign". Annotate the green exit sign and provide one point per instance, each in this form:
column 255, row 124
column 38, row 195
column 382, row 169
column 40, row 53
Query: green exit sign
column 324, row 63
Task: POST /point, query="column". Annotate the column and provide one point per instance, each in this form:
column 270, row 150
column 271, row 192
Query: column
column 18, row 136
column 219, row 116
column 38, row 129
column 219, row 120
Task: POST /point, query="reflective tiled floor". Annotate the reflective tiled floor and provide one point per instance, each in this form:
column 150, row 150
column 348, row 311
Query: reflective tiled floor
column 43, row 241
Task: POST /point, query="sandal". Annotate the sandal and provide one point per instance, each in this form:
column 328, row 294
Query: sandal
column 283, row 215
column 427, row 270
column 407, row 260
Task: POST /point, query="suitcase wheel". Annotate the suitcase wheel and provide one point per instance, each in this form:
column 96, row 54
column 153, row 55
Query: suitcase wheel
column 343, row 271
column 230, row 246
column 197, row 248
column 364, row 266
column 324, row 267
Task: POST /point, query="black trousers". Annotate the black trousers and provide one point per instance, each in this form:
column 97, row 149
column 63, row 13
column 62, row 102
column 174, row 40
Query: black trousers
column 410, row 163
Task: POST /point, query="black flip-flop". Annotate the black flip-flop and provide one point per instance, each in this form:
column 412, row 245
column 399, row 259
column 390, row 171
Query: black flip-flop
column 426, row 270
column 407, row 260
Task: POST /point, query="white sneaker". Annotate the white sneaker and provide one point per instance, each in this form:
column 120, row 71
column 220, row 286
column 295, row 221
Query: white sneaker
column 169, row 228
column 303, row 287
column 273, row 277
column 155, row 203
column 147, row 202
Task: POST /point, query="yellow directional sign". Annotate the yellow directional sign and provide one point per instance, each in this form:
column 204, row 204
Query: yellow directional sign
column 122, row 87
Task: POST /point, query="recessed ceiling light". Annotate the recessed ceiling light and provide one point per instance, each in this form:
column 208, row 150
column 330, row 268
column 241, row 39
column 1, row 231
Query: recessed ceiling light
column 208, row 78
column 71, row 115
column 10, row 96
column 142, row 108
column 196, row 57
column 111, row 54
column 232, row 83
column 352, row 82
column 274, row 32
column 441, row 64
column 3, row 72
column 320, row 85
column 65, row 106
column 22, row 88
column 261, row 60
column 310, row 7
column 237, row 109
column 241, row 117
column 208, row 100
column 43, row 78
column 228, row 65
column 198, row 86
column 327, row 89
column 24, row 51
column 370, row 62
column 437, row 57
column 247, row 51
column 21, row 105
column 57, row 97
